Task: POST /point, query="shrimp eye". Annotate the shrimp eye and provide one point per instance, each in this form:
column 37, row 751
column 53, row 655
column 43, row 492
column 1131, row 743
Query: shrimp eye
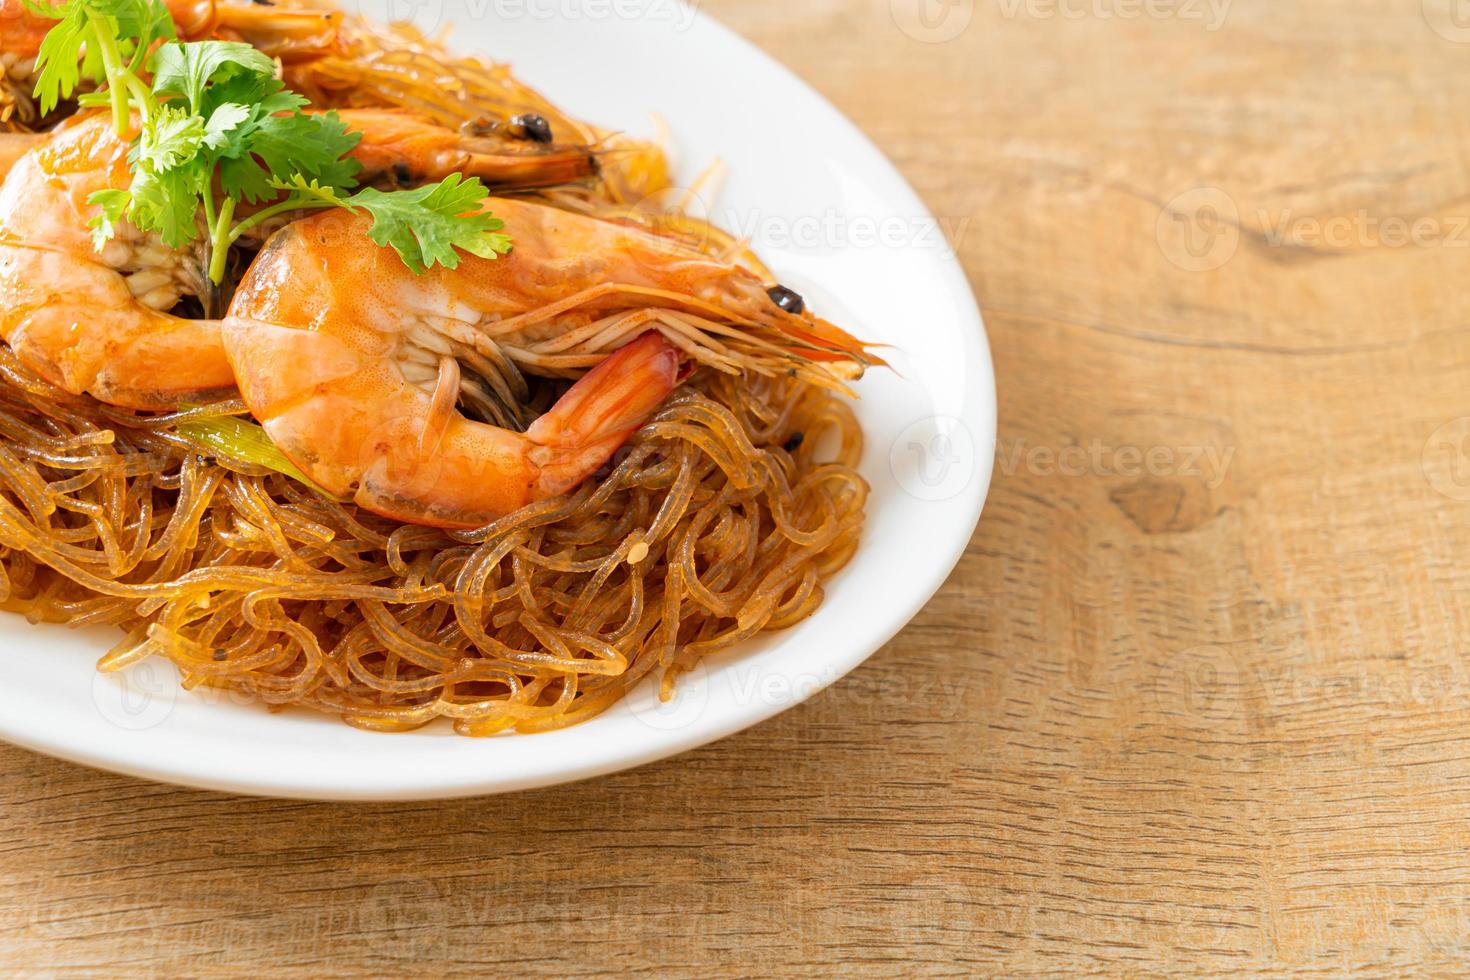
column 788, row 299
column 535, row 128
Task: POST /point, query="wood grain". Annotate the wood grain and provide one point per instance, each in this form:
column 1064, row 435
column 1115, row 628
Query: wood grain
column 1202, row 700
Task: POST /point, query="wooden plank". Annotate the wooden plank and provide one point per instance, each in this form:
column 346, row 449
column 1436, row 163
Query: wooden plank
column 1196, row 698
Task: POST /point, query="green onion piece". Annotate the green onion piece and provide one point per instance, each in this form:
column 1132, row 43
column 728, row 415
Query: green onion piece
column 245, row 442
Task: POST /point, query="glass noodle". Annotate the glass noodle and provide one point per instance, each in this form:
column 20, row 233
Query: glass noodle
column 720, row 519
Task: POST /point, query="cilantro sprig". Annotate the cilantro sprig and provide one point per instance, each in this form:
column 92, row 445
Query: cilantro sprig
column 424, row 225
column 216, row 133
column 106, row 41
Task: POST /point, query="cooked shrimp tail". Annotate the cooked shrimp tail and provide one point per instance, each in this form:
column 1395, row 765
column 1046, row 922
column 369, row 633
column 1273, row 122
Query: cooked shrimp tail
column 598, row 414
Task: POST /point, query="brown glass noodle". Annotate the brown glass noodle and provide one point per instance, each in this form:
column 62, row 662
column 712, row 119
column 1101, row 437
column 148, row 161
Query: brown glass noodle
column 250, row 581
column 737, row 501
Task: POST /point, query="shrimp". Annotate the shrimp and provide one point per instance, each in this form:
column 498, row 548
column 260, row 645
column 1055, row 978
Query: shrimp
column 98, row 321
column 403, row 147
column 289, row 33
column 281, row 32
column 101, row 322
column 21, row 32
column 400, row 144
column 355, row 366
column 13, row 146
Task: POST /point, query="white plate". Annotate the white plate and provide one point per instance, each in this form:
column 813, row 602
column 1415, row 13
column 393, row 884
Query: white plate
column 838, row 223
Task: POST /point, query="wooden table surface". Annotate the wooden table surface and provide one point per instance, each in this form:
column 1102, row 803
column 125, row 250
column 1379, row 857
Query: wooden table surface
column 1195, row 700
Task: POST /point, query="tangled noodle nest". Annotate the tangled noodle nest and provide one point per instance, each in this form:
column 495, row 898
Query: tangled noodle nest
column 718, row 520
column 715, row 522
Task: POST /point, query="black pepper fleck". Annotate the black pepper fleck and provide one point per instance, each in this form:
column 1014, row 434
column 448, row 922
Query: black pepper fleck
column 794, row 443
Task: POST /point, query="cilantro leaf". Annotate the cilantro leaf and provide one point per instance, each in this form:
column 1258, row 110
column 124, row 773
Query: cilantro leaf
column 168, row 202
column 172, row 137
column 244, row 178
column 241, row 175
column 185, row 69
column 75, row 47
column 216, row 111
column 138, row 23
column 223, row 122
column 264, row 94
column 312, row 192
column 425, row 226
column 312, row 145
column 112, row 207
column 60, row 55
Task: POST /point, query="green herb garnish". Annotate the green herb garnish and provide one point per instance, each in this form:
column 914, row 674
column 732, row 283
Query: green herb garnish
column 239, row 439
column 215, row 130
